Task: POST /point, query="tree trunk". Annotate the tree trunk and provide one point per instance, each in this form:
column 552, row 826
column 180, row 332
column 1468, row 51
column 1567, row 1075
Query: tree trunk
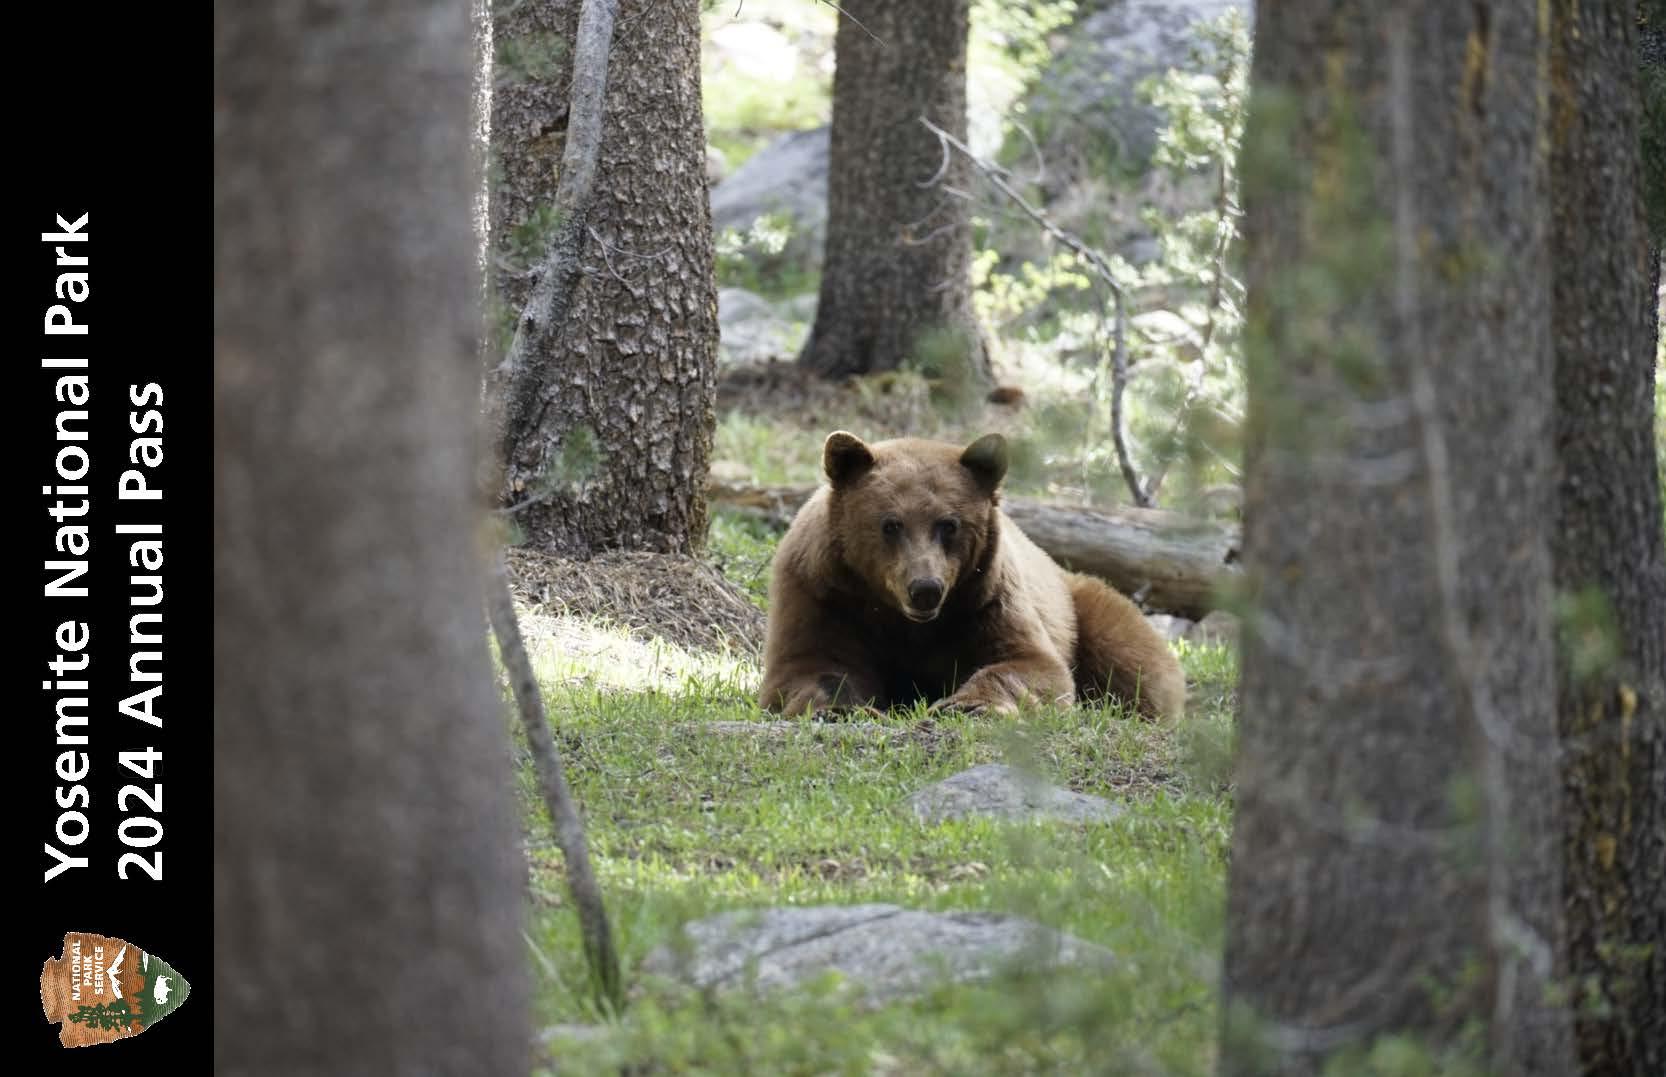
column 612, row 446
column 367, row 879
column 1608, row 547
column 1395, row 859
column 896, row 279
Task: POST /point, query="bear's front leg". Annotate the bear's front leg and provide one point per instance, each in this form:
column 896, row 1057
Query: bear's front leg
column 1003, row 687
column 794, row 693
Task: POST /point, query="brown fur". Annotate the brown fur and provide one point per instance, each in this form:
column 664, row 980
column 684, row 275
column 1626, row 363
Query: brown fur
column 1012, row 627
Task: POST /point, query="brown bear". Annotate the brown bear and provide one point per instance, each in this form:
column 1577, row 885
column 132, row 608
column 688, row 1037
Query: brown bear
column 903, row 580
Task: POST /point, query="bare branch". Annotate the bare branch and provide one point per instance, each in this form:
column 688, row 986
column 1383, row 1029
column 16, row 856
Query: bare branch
column 1101, row 266
column 546, row 309
column 855, row 20
column 558, row 797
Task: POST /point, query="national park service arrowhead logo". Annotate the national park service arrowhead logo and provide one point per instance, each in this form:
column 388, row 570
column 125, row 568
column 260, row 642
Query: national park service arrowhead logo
column 104, row 989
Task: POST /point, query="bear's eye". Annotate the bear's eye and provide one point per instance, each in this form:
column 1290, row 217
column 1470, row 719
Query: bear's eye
column 946, row 529
column 892, row 528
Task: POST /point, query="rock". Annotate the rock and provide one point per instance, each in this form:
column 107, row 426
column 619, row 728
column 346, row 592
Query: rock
column 801, row 308
column 788, row 177
column 1093, row 125
column 1218, row 627
column 1004, row 792
column 751, row 329
column 1170, row 626
column 883, row 952
column 1089, row 95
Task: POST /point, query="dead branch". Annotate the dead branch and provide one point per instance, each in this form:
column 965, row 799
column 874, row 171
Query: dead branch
column 510, row 395
column 511, row 400
column 558, row 797
column 1101, row 266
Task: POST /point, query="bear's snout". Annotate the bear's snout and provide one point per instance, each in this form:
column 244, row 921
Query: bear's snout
column 925, row 595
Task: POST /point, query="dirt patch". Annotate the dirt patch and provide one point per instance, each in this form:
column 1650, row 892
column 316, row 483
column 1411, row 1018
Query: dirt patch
column 678, row 598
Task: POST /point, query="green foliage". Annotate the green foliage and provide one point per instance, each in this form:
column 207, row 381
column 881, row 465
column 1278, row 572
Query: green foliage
column 523, row 247
column 756, row 259
column 944, row 358
column 742, row 547
column 530, row 57
column 1589, row 634
column 1015, row 37
column 1187, row 402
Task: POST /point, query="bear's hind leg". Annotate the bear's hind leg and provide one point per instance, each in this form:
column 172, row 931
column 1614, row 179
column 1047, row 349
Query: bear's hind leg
column 1119, row 654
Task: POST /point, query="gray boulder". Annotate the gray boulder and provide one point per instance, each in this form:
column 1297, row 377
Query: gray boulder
column 1003, row 792
column 1088, row 98
column 751, row 329
column 788, row 177
column 883, row 952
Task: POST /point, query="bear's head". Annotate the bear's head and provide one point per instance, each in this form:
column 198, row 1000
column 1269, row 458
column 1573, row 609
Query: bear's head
column 914, row 519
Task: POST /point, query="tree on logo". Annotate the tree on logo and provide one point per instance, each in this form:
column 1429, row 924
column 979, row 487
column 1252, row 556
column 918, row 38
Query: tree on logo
column 113, row 1016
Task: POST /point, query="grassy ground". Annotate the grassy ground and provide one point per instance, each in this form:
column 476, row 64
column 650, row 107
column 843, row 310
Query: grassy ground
column 689, row 818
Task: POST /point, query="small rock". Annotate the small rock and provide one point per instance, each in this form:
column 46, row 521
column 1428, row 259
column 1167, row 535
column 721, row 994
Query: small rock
column 1004, row 792
column 885, row 953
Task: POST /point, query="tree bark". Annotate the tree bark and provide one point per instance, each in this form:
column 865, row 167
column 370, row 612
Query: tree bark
column 1175, row 563
column 367, row 877
column 896, row 277
column 1608, row 546
column 1395, row 859
column 611, row 446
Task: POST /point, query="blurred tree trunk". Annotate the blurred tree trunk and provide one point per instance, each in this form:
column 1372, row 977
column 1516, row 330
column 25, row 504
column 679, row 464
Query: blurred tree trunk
column 896, row 278
column 1396, row 858
column 1608, row 546
column 608, row 428
column 367, row 878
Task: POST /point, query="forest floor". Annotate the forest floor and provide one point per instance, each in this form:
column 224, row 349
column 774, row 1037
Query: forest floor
column 691, row 814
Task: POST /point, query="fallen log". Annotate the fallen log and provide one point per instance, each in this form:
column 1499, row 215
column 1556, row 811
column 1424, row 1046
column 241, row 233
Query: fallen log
column 1168, row 562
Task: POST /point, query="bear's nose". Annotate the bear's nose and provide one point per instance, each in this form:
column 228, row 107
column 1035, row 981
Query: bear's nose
column 925, row 594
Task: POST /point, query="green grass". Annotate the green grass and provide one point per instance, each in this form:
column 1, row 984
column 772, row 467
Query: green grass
column 685, row 823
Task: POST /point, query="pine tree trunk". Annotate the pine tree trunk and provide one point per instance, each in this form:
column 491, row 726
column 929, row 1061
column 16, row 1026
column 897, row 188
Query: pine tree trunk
column 612, row 448
column 896, row 278
column 367, row 878
column 1395, row 857
column 1608, row 546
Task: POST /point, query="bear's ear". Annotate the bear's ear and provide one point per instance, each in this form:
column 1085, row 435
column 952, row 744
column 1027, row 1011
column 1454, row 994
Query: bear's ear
column 986, row 459
column 845, row 457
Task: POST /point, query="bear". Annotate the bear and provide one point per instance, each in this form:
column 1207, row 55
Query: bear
column 902, row 579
